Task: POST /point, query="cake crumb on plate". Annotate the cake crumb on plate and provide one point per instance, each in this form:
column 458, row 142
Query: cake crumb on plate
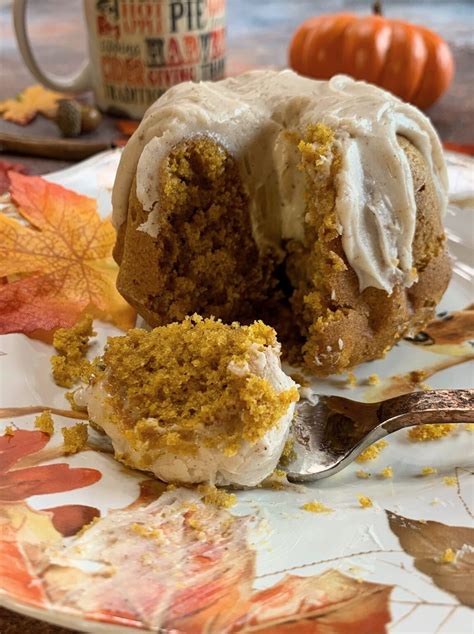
column 373, row 379
column 427, row 471
column 422, row 433
column 75, row 438
column 364, row 501
column 71, row 344
column 351, row 379
column 450, row 481
column 449, row 556
column 372, row 452
column 217, row 497
column 288, row 454
column 44, row 422
column 316, row 507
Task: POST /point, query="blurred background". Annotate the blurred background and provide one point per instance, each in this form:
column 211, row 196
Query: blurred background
column 258, row 35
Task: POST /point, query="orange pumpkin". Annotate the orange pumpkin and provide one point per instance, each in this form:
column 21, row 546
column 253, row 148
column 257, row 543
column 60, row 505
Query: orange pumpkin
column 408, row 60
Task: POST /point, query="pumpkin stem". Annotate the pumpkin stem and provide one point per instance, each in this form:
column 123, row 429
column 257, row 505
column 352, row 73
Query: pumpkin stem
column 377, row 8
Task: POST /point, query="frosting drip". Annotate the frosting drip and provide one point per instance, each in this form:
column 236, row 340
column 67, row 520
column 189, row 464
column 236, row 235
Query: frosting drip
column 250, row 116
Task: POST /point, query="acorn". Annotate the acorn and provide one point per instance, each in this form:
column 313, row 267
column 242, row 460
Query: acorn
column 73, row 118
column 68, row 117
column 90, row 118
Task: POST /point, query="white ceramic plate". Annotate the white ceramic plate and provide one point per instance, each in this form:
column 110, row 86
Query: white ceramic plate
column 266, row 565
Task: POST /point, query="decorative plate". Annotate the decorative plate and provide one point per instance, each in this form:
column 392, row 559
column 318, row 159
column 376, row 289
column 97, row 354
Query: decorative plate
column 153, row 559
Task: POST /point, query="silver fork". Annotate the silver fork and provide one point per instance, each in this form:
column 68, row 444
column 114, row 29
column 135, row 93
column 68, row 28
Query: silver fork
column 330, row 434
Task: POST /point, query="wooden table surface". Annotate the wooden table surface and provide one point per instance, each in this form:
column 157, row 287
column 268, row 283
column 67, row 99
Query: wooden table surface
column 258, row 34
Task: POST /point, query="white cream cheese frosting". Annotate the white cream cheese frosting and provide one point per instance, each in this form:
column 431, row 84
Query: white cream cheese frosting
column 248, row 467
column 250, row 115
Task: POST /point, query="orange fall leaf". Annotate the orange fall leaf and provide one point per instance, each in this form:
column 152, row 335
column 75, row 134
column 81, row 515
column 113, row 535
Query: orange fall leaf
column 30, row 102
column 127, row 127
column 463, row 148
column 59, row 263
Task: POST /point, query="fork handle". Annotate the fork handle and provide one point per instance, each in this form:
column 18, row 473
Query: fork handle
column 422, row 408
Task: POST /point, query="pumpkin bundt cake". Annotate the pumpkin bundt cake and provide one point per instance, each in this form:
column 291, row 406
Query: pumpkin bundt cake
column 316, row 206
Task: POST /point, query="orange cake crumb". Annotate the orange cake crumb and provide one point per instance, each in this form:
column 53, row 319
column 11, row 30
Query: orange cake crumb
column 75, row 438
column 449, row 556
column 430, row 432
column 387, row 473
column 275, row 482
column 44, row 422
column 363, row 475
column 147, row 531
column 372, row 452
column 450, row 481
column 373, row 379
column 276, row 485
column 427, row 471
column 8, row 431
column 217, row 497
column 70, row 364
column 198, row 526
column 351, row 379
column 418, row 376
column 364, row 501
column 90, row 524
column 316, row 507
column 300, row 379
column 288, row 454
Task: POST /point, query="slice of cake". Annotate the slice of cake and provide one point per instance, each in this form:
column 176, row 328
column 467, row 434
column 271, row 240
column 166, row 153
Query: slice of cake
column 315, row 206
column 196, row 401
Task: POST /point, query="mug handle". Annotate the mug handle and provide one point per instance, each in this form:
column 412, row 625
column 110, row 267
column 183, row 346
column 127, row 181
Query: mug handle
column 78, row 82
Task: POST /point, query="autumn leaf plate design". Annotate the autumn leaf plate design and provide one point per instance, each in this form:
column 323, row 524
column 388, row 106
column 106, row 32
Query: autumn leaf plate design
column 90, row 545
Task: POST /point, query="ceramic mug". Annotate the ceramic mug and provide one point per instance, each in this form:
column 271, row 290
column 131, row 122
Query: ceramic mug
column 138, row 49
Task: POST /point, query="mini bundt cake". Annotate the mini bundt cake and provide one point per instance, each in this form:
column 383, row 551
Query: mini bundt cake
column 316, row 206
